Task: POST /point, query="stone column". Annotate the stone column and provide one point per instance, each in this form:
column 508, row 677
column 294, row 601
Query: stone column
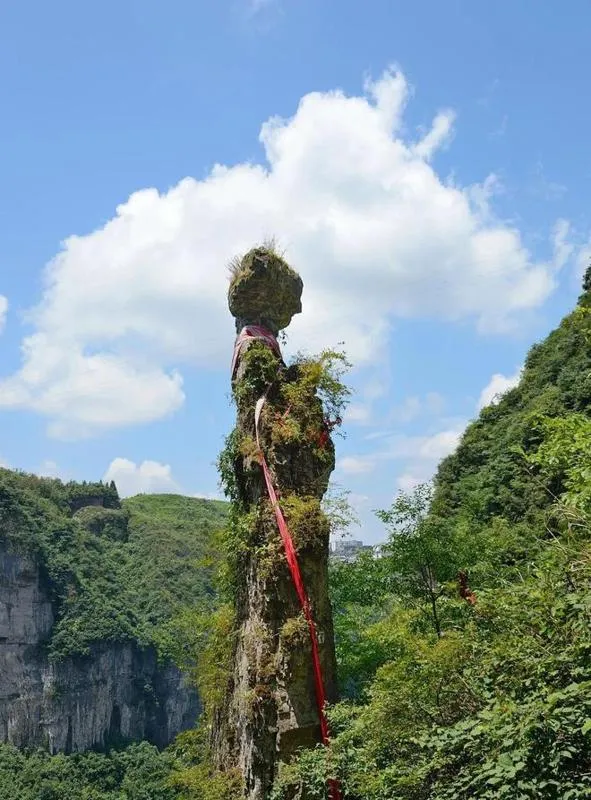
column 271, row 709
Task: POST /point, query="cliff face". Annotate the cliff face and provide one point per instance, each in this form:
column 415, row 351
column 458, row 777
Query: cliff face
column 88, row 588
column 117, row 692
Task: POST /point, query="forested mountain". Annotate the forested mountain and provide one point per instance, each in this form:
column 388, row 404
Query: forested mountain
column 89, row 589
column 464, row 651
column 116, row 570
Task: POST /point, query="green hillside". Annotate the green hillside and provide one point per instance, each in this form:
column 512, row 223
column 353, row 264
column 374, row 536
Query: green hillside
column 115, row 571
column 172, row 554
column 139, row 772
column 487, row 475
column 466, row 650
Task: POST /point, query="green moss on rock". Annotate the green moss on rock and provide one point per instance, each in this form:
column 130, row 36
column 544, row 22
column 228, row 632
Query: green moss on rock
column 264, row 289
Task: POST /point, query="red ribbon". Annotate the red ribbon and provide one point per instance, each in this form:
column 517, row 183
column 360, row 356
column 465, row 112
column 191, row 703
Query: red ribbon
column 253, row 332
column 296, row 575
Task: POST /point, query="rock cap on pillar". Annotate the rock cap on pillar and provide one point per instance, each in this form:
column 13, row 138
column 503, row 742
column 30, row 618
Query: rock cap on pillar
column 264, row 290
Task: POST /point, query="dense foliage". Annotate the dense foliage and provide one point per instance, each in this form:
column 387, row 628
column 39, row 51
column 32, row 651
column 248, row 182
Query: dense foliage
column 138, row 773
column 115, row 571
column 465, row 651
column 136, row 569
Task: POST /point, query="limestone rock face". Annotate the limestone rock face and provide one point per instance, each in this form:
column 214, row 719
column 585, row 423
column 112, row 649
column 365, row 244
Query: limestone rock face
column 118, row 692
column 264, row 290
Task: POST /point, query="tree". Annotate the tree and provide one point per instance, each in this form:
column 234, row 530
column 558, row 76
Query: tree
column 419, row 548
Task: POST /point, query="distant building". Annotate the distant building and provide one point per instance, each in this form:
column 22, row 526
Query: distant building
column 348, row 549
column 379, row 550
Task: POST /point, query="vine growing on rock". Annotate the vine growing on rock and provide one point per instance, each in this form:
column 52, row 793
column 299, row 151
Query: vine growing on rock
column 294, row 419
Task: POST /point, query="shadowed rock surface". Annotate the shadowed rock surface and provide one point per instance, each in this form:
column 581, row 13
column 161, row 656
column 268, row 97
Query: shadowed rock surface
column 116, row 693
column 264, row 290
column 88, row 586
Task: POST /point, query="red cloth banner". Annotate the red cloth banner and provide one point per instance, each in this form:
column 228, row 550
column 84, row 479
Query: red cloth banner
column 296, row 575
column 248, row 333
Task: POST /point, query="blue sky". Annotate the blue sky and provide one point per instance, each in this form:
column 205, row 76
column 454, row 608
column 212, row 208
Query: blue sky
column 425, row 165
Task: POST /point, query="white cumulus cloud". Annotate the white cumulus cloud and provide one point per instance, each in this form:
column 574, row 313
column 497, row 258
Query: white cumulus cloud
column 563, row 247
column 434, row 448
column 374, row 230
column 357, row 465
column 358, row 413
column 149, row 477
column 496, row 387
column 409, row 480
column 437, row 136
column 423, row 455
column 420, row 454
column 49, row 469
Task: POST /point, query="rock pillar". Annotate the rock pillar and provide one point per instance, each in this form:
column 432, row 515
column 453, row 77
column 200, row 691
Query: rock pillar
column 271, row 706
